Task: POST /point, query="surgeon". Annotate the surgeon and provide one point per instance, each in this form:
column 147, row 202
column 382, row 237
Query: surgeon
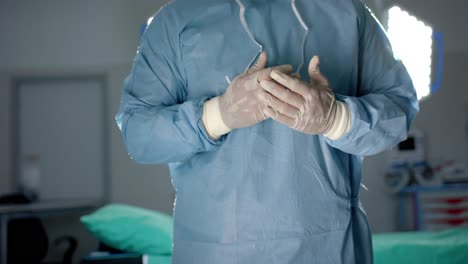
column 264, row 111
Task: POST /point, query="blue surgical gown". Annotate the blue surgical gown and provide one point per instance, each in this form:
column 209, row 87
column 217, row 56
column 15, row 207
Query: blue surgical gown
column 267, row 193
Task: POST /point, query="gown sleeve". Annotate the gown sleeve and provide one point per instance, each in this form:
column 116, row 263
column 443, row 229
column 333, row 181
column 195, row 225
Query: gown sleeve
column 157, row 123
column 386, row 104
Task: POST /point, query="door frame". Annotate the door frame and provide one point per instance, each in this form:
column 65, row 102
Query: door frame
column 15, row 160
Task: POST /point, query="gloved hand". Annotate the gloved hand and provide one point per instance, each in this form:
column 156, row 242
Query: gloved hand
column 307, row 107
column 242, row 105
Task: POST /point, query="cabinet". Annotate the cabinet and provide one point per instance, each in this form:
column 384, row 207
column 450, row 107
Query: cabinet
column 433, row 208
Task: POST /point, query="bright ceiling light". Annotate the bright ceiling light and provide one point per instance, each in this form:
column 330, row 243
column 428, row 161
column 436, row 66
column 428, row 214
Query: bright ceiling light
column 412, row 43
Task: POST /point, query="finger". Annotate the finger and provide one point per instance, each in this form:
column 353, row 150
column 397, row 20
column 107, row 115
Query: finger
column 296, row 75
column 290, row 82
column 283, row 93
column 265, row 73
column 260, row 64
column 283, row 119
column 286, row 68
column 316, row 77
column 314, row 65
column 279, row 106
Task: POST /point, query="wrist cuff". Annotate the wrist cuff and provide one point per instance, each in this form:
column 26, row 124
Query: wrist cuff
column 342, row 123
column 212, row 119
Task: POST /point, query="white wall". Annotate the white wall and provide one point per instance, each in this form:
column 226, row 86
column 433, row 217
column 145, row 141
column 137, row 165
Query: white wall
column 55, row 34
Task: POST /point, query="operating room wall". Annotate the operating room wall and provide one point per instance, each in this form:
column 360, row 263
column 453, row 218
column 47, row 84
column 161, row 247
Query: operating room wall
column 4, row 134
column 56, row 38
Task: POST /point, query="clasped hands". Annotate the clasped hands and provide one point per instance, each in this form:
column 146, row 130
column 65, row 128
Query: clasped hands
column 275, row 93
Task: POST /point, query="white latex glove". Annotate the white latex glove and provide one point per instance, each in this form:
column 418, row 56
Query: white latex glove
column 242, row 105
column 307, row 107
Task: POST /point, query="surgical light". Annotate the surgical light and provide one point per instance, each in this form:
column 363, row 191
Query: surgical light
column 412, row 42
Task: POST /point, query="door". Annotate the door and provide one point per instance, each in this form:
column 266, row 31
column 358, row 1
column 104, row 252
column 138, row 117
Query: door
column 61, row 123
